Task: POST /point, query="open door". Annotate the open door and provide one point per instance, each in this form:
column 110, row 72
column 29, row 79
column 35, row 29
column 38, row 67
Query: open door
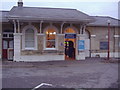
column 7, row 45
column 7, row 51
column 70, row 46
column 69, row 50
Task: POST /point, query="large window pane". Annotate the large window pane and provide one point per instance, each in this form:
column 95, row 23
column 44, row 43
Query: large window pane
column 29, row 38
column 29, row 44
column 50, row 44
column 50, row 38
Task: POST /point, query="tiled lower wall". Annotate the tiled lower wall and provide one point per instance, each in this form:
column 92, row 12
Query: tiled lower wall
column 115, row 54
column 33, row 58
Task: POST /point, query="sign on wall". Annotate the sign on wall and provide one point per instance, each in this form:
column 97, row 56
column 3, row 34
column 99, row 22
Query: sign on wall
column 103, row 45
column 70, row 35
column 81, row 45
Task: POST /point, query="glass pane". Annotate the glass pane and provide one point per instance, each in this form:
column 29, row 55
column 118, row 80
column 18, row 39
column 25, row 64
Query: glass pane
column 4, row 35
column 50, row 44
column 5, row 44
column 11, row 44
column 10, row 54
column 50, row 38
column 29, row 31
column 29, row 38
column 10, row 35
column 29, row 44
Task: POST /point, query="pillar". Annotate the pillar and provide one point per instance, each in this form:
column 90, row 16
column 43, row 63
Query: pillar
column 18, row 26
column 40, row 38
column 14, row 26
column 0, row 41
column 80, row 47
column 60, row 44
column 17, row 45
column 17, row 42
column 61, row 28
column 80, row 54
column 41, row 26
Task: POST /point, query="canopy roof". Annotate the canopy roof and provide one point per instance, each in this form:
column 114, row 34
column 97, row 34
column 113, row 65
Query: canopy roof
column 48, row 14
column 102, row 21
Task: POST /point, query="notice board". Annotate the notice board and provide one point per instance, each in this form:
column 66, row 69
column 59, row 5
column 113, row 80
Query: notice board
column 81, row 45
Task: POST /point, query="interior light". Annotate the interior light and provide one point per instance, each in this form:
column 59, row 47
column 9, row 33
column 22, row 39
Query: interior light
column 54, row 32
column 51, row 33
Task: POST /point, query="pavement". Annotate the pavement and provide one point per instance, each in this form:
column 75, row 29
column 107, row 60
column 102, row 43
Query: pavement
column 89, row 73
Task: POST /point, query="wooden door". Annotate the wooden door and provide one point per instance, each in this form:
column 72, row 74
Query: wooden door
column 4, row 50
column 7, row 51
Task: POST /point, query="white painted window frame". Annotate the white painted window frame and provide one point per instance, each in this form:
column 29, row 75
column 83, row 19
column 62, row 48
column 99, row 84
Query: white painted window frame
column 35, row 38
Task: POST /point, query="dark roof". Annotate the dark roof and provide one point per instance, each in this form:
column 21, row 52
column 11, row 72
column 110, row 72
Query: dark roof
column 54, row 14
column 102, row 21
column 3, row 15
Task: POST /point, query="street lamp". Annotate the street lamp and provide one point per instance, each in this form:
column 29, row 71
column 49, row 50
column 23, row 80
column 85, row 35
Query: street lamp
column 108, row 56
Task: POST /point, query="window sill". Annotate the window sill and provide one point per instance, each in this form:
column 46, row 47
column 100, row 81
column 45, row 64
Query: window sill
column 29, row 49
column 50, row 49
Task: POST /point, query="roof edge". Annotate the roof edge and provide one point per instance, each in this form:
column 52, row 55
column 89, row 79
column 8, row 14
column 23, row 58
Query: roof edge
column 45, row 7
column 106, row 17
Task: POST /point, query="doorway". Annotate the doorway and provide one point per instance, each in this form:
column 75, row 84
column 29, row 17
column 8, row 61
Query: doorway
column 7, row 46
column 70, row 49
column 7, row 49
column 70, row 44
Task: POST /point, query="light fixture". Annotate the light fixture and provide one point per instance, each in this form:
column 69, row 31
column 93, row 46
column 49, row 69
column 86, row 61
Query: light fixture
column 50, row 33
column 54, row 32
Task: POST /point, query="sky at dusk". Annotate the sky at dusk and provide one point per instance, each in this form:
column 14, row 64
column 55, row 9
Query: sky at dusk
column 90, row 7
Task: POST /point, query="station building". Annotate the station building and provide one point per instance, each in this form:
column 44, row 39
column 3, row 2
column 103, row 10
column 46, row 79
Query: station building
column 47, row 34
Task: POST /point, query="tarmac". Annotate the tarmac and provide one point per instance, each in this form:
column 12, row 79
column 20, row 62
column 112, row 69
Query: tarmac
column 89, row 73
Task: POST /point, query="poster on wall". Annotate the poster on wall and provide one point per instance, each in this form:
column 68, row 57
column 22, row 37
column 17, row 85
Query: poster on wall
column 103, row 45
column 81, row 45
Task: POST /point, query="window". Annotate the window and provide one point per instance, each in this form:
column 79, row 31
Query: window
column 8, row 35
column 29, row 38
column 103, row 45
column 50, row 38
column 11, row 35
column 5, row 35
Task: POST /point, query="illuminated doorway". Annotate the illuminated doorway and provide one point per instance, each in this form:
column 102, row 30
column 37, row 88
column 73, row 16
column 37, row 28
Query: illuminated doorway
column 70, row 44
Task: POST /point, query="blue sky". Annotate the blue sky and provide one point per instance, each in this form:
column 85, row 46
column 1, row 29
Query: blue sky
column 90, row 7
